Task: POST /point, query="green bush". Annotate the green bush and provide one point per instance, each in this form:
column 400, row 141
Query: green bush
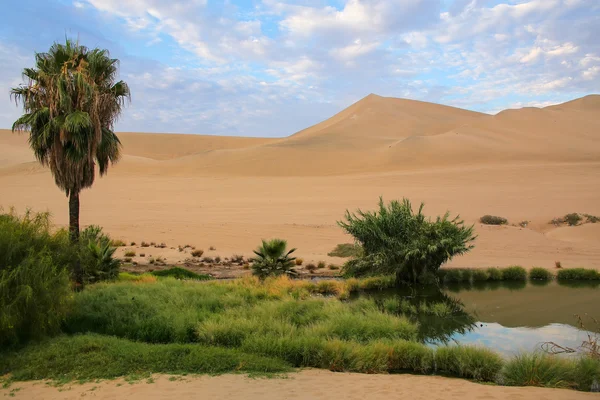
column 181, row 273
column 481, row 275
column 540, row 274
column 578, row 274
column 514, row 273
column 96, row 255
column 35, row 293
column 493, row 220
column 495, row 274
column 539, row 369
column 469, row 362
column 273, row 259
column 346, row 250
column 396, row 241
column 572, row 219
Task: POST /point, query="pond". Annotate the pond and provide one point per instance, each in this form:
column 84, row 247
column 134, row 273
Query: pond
column 508, row 318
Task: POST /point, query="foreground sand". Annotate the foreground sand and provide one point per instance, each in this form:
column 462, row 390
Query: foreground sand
column 525, row 165
column 308, row 384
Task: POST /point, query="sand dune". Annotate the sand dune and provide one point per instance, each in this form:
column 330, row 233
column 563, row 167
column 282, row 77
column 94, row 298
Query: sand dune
column 527, row 164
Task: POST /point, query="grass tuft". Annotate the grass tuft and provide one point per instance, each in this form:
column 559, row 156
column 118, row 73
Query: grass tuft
column 514, row 273
column 540, row 274
column 346, row 250
column 578, row 274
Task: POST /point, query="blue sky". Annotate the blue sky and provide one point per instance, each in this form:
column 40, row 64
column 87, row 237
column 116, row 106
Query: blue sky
column 273, row 67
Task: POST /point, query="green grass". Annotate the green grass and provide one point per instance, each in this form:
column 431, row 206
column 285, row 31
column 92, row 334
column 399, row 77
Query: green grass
column 469, row 362
column 514, row 273
column 346, row 250
column 85, row 357
column 540, row 274
column 578, row 274
column 539, row 369
column 181, row 273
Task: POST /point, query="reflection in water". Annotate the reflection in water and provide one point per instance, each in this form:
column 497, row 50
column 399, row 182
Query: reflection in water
column 508, row 317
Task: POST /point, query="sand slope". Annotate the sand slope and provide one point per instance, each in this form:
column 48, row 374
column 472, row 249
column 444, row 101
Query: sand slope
column 528, row 164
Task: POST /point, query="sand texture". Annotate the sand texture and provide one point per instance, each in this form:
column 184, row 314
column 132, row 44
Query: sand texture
column 525, row 165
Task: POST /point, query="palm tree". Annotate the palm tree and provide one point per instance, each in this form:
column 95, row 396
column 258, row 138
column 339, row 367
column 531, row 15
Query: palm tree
column 273, row 259
column 71, row 101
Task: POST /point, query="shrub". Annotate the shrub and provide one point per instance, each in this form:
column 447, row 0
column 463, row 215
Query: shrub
column 97, row 255
column 217, row 259
column 495, row 274
column 514, row 273
column 208, row 260
column 592, row 219
column 346, row 250
column 273, row 259
column 212, row 248
column 538, row 369
column 310, row 267
column 524, row 224
column 35, row 292
column 333, row 267
column 572, row 219
column 481, row 275
column 197, row 253
column 117, row 243
column 299, row 261
column 540, row 274
column 127, row 259
column 493, row 220
column 237, row 258
column 130, row 254
column 455, row 275
column 142, row 254
column 469, row 362
column 180, row 273
column 398, row 241
column 578, row 274
column 132, row 244
column 321, row 265
column 557, row 264
column 144, row 244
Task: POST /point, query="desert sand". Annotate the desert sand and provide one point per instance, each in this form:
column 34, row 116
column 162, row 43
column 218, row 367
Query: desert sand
column 308, row 384
column 228, row 192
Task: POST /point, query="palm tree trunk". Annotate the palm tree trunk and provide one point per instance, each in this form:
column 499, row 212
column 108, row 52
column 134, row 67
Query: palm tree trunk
column 74, row 233
column 74, row 216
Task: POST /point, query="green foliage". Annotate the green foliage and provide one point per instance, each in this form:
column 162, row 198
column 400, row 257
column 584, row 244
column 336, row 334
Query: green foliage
column 273, row 259
column 397, row 241
column 592, row 219
column 540, row 369
column 35, row 292
column 85, row 357
column 493, row 220
column 346, row 250
column 97, row 256
column 130, row 253
column 572, row 219
column 180, row 273
column 321, row 264
column 540, row 274
column 495, row 274
column 469, row 362
column 481, row 275
column 578, row 274
column 514, row 273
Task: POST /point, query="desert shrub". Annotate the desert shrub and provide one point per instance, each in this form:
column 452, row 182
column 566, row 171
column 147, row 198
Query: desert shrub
column 572, row 219
column 495, row 274
column 117, row 243
column 592, row 219
column 127, row 259
column 469, row 362
column 310, row 267
column 493, row 220
column 34, row 277
column 145, row 244
column 321, row 264
column 333, row 267
column 514, row 273
column 132, row 244
column 180, row 273
column 299, row 261
column 397, row 241
column 197, row 253
column 540, row 274
column 557, row 264
column 524, row 224
column 130, row 254
column 539, row 369
column 237, row 258
column 273, row 259
column 578, row 274
column 142, row 254
column 212, row 248
column 208, row 260
column 346, row 250
column 217, row 259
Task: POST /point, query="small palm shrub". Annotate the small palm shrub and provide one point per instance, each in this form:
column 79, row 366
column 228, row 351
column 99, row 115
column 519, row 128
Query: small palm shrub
column 540, row 274
column 493, row 220
column 397, row 241
column 299, row 261
column 273, row 259
column 97, row 256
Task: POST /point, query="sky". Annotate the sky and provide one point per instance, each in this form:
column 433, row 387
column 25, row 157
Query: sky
column 273, row 67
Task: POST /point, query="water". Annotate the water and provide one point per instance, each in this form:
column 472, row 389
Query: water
column 508, row 318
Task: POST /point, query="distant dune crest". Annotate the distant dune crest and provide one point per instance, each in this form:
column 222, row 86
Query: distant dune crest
column 375, row 134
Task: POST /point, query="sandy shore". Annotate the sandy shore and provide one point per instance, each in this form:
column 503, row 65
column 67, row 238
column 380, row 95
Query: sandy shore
column 308, row 384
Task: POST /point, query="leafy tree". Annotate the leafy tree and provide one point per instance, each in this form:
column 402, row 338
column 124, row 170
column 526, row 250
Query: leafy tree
column 273, row 259
column 398, row 241
column 71, row 101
